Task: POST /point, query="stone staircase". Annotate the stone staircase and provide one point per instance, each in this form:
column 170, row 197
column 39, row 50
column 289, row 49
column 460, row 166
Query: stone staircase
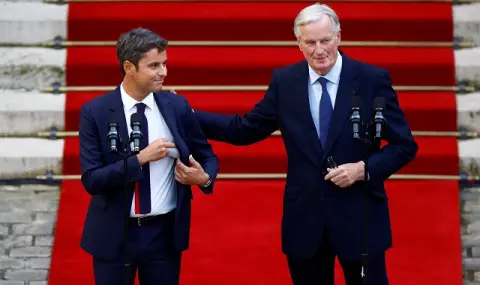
column 28, row 211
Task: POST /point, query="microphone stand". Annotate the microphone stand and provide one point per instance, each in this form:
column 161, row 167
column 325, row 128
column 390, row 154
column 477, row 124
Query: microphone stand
column 125, row 155
column 366, row 139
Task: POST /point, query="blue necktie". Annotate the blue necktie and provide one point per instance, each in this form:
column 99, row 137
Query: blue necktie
column 142, row 193
column 326, row 111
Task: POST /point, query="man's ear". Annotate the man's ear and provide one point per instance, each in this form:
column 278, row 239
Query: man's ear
column 299, row 44
column 129, row 67
column 339, row 37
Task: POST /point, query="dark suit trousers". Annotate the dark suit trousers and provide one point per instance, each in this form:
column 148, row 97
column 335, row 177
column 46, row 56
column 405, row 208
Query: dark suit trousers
column 151, row 251
column 319, row 270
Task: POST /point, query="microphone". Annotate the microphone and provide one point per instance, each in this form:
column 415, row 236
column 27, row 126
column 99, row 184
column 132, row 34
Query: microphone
column 379, row 106
column 355, row 117
column 136, row 136
column 112, row 135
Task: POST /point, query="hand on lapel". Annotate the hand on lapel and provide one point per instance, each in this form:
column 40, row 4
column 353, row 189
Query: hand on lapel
column 155, row 151
column 190, row 175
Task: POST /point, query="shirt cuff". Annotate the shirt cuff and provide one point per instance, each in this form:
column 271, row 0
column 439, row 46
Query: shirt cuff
column 368, row 174
column 208, row 183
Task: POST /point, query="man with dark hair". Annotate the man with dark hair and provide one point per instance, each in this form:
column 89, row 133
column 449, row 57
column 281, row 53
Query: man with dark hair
column 159, row 176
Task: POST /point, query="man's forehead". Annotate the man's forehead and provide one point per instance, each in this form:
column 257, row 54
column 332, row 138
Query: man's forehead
column 316, row 37
column 155, row 55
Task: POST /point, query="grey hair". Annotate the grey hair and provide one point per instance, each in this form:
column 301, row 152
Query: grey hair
column 133, row 45
column 315, row 13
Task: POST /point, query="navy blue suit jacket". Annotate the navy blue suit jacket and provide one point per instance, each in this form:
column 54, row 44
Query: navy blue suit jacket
column 102, row 170
column 310, row 202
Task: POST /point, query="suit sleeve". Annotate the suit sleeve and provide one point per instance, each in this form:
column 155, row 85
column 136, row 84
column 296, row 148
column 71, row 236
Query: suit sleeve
column 201, row 150
column 258, row 124
column 97, row 177
column 401, row 148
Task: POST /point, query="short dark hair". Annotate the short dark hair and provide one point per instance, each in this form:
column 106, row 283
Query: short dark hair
column 133, row 45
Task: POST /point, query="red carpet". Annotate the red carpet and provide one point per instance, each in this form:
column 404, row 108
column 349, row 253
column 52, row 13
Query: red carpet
column 432, row 153
column 246, row 249
column 254, row 65
column 270, row 20
column 235, row 237
column 422, row 108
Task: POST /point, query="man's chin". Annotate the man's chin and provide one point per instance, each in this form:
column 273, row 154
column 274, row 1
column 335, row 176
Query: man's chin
column 157, row 88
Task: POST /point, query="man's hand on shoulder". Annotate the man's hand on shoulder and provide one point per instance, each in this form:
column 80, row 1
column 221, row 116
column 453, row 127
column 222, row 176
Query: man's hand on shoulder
column 193, row 175
column 346, row 174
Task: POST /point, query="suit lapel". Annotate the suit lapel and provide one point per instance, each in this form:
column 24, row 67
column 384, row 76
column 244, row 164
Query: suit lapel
column 347, row 87
column 117, row 108
column 301, row 91
column 168, row 114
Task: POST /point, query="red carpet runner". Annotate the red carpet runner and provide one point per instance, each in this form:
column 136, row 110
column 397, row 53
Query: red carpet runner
column 236, row 232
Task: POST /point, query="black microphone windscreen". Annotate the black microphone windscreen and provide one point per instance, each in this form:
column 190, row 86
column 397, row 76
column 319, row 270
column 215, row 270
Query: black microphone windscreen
column 356, row 102
column 379, row 102
column 135, row 118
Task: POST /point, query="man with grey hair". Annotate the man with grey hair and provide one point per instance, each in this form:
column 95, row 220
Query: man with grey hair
column 174, row 155
column 310, row 102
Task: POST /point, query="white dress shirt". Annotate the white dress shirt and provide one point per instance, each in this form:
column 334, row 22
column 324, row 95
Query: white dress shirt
column 162, row 176
column 315, row 89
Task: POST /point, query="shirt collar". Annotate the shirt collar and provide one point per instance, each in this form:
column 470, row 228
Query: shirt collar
column 129, row 102
column 332, row 76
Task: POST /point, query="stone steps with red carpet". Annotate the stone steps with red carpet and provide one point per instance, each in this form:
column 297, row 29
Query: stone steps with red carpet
column 235, row 232
column 408, row 66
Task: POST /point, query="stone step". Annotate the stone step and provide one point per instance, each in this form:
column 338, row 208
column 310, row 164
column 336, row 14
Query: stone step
column 468, row 111
column 35, row 68
column 23, row 112
column 22, row 157
column 469, row 153
column 472, row 263
column 466, row 22
column 30, row 111
column 467, row 64
column 30, row 22
column 31, row 68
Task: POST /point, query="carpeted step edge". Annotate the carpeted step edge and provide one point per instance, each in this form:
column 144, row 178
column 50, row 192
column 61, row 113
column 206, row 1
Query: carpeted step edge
column 36, row 68
column 23, row 112
column 32, row 22
column 27, row 157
